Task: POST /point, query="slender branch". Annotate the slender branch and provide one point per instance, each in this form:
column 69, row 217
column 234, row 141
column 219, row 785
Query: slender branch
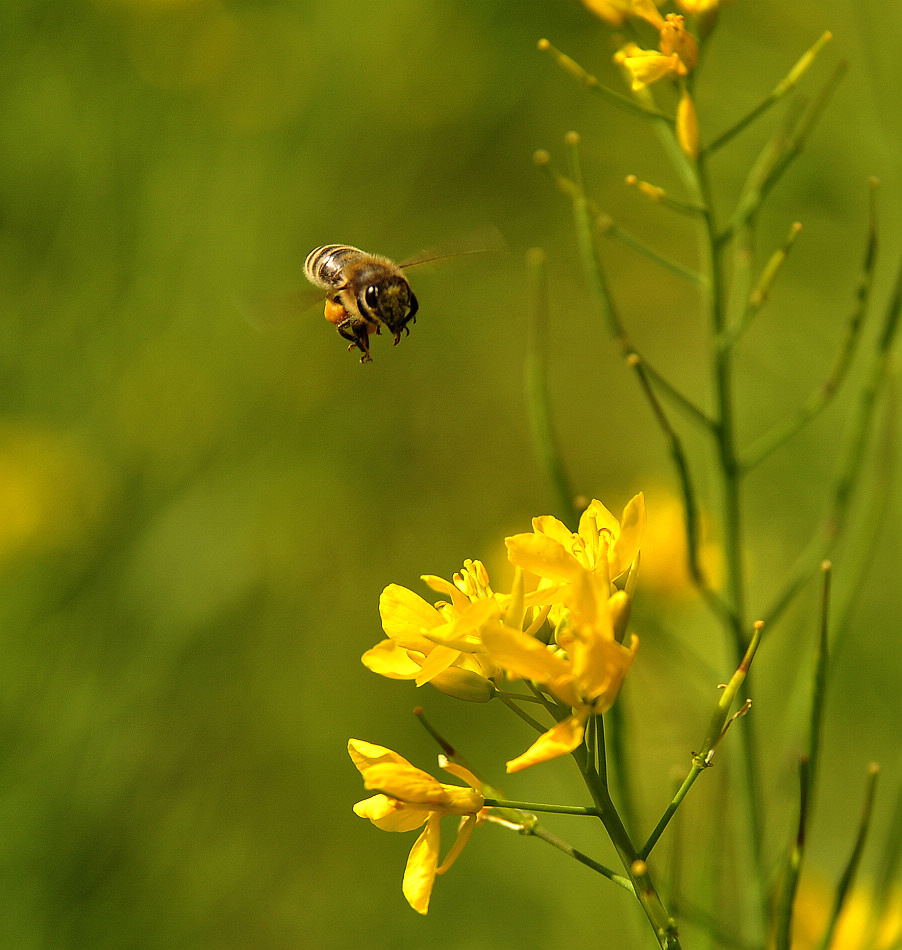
column 790, row 884
column 545, row 439
column 514, row 708
column 785, row 86
column 588, row 216
column 761, row 292
column 819, row 400
column 609, row 228
column 590, row 82
column 819, row 686
column 666, row 388
column 717, row 729
column 581, row 810
column 808, row 766
column 662, row 197
column 536, row 831
column 855, row 454
column 778, row 154
column 681, row 464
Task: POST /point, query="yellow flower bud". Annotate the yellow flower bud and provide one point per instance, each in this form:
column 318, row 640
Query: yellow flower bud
column 687, row 126
column 464, row 684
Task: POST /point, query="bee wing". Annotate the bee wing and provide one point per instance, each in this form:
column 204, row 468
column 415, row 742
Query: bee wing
column 489, row 241
column 278, row 309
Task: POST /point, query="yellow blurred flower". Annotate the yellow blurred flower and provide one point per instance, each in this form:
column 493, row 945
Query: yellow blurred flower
column 698, row 6
column 675, row 58
column 409, row 798
column 687, row 125
column 647, row 66
column 616, row 12
column 54, row 490
column 665, row 563
column 857, row 929
column 675, row 38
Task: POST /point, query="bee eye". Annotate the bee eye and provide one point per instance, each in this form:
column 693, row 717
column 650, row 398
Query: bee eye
column 371, row 296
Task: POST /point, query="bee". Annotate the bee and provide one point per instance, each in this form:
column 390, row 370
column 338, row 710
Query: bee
column 365, row 293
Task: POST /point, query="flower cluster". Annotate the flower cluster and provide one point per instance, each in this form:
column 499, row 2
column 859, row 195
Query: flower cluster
column 561, row 628
column 585, row 664
column 675, row 57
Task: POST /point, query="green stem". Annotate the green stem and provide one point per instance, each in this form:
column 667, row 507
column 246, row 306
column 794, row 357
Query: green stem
column 789, row 887
column 733, row 539
column 662, row 923
column 851, row 869
column 820, row 399
column 717, row 729
column 855, row 455
column 572, row 68
column 583, row 810
column 546, row 442
column 786, row 85
column 536, row 831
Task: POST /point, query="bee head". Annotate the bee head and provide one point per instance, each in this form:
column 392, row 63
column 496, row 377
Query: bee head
column 393, row 303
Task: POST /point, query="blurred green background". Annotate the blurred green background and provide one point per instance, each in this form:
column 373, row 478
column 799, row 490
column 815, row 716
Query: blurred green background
column 198, row 515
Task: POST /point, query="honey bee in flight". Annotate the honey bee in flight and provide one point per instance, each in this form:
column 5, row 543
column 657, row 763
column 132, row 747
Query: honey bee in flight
column 365, row 293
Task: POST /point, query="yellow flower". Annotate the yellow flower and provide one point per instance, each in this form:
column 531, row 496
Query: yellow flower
column 409, row 798
column 861, row 926
column 698, row 6
column 616, row 12
column 675, row 38
column 665, row 563
column 647, row 66
column 586, row 665
column 439, row 644
column 557, row 555
column 584, row 671
column 706, row 13
column 675, row 58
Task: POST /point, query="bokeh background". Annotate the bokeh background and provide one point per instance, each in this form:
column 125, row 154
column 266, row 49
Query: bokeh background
column 198, row 510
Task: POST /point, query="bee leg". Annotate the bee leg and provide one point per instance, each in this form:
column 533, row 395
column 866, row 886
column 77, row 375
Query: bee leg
column 357, row 332
column 398, row 335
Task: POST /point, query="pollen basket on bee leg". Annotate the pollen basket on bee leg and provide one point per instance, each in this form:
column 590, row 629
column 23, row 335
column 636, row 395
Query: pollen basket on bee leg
column 335, row 312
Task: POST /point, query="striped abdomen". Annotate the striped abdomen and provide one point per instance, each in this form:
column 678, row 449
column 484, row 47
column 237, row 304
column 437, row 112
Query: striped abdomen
column 325, row 265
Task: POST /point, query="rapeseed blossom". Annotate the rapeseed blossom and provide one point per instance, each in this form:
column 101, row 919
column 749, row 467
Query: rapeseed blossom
column 409, row 798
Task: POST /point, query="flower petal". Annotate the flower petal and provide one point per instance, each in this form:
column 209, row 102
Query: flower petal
column 390, row 659
column 553, row 528
column 366, row 754
column 439, row 659
column 419, row 875
column 559, row 740
column 405, row 614
column 463, row 836
column 542, row 556
column 632, row 528
column 523, row 655
column 388, row 814
column 405, row 782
